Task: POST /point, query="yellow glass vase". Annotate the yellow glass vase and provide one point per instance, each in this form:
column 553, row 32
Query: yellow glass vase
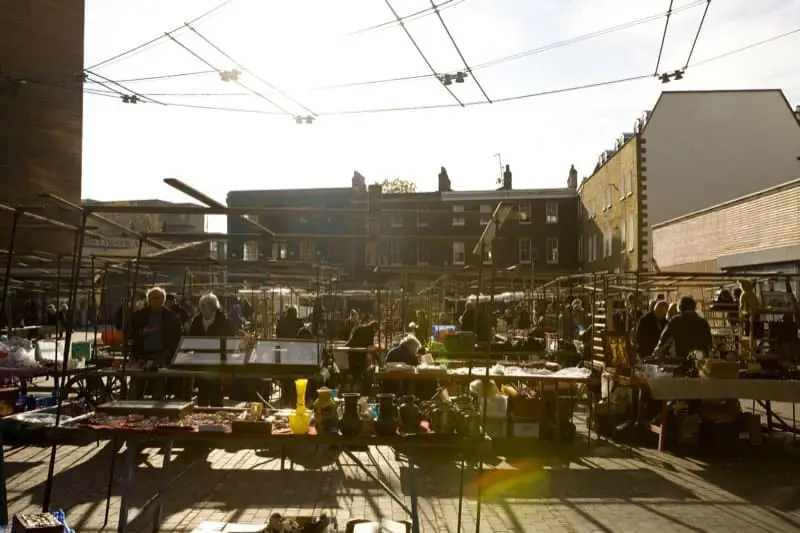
column 301, row 419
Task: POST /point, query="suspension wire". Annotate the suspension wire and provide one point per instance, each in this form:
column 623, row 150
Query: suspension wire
column 663, row 37
column 458, row 50
column 123, row 87
column 157, row 39
column 236, row 81
column 245, row 69
column 417, row 15
column 419, row 50
column 538, row 50
column 697, row 35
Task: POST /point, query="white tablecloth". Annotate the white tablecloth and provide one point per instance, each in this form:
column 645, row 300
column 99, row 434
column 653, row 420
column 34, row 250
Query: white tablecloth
column 720, row 389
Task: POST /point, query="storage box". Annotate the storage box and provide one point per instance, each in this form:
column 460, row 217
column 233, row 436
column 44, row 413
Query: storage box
column 718, row 369
column 497, row 428
column 525, row 429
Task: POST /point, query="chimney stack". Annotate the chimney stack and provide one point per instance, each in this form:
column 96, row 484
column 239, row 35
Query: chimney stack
column 572, row 180
column 358, row 182
column 444, row 181
column 797, row 111
column 507, row 178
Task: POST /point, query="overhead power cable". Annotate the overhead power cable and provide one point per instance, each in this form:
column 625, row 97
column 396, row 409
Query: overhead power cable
column 234, row 79
column 530, row 52
column 663, row 37
column 419, row 50
column 697, row 35
column 155, row 40
column 245, row 69
column 483, row 102
column 417, row 15
column 122, row 87
column 458, row 50
column 169, row 76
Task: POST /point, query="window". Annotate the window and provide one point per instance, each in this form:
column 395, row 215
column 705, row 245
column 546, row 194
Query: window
column 395, row 253
column 580, row 248
column 279, row 251
column 552, row 251
column 551, row 212
column 590, row 249
column 422, row 222
column 250, row 251
column 524, row 212
column 423, row 253
column 609, row 195
column 397, row 221
column 487, row 256
column 623, row 234
column 308, row 251
column 525, row 251
column 607, row 235
column 458, row 215
column 631, row 238
column 486, row 212
column 459, row 257
column 630, row 184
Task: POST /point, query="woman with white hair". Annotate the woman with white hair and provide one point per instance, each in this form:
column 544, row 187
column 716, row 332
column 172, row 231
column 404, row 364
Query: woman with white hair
column 210, row 322
column 405, row 351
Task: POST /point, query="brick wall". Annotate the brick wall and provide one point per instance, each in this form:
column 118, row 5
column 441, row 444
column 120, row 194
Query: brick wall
column 611, row 200
column 41, row 132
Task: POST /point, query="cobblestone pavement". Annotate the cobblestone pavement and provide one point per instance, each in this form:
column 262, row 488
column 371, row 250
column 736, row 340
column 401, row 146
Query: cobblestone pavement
column 610, row 489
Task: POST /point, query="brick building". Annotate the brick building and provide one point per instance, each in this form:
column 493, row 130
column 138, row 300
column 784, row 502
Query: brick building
column 41, row 105
column 695, row 149
column 757, row 232
column 422, row 235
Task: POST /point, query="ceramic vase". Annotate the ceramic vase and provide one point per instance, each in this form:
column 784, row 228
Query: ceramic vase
column 325, row 416
column 350, row 424
column 386, row 423
column 410, row 415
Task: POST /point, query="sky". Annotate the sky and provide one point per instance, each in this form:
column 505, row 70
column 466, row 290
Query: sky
column 302, row 47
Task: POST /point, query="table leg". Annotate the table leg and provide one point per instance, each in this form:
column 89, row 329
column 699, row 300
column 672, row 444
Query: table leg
column 589, row 422
column 3, row 488
column 479, row 496
column 768, row 409
column 460, row 494
column 114, row 448
column 412, row 489
column 131, row 449
column 662, row 418
column 164, row 485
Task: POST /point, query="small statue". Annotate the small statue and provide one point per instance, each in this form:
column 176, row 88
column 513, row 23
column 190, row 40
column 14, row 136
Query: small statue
column 444, row 181
column 507, row 178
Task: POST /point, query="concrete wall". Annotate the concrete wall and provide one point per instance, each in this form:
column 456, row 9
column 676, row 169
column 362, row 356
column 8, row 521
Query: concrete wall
column 42, row 118
column 708, row 147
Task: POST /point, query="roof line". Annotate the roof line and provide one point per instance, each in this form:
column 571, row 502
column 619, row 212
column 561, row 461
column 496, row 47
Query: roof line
column 795, row 183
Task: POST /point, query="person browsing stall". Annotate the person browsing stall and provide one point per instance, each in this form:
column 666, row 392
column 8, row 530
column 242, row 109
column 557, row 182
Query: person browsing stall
column 649, row 329
column 686, row 332
column 210, row 322
column 155, row 334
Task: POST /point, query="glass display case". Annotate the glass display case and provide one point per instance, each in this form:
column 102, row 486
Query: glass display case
column 285, row 356
column 211, row 352
column 263, row 357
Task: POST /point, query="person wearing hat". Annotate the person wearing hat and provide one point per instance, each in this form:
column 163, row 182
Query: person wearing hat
column 685, row 333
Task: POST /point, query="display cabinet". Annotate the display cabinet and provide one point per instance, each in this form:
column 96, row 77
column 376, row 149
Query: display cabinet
column 284, row 357
column 196, row 353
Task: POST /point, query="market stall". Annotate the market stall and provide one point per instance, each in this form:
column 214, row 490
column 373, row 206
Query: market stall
column 753, row 355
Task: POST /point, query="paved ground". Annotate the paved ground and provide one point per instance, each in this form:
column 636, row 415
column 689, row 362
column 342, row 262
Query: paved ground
column 612, row 489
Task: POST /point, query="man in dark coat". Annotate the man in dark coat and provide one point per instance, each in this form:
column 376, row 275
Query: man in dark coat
column 210, row 322
column 686, row 332
column 155, row 333
column 649, row 329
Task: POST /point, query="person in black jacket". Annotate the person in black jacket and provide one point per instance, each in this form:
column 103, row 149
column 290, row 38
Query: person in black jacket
column 210, row 322
column 289, row 324
column 686, row 332
column 649, row 329
column 155, row 332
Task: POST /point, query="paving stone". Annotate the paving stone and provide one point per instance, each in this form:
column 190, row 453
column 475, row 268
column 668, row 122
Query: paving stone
column 617, row 490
